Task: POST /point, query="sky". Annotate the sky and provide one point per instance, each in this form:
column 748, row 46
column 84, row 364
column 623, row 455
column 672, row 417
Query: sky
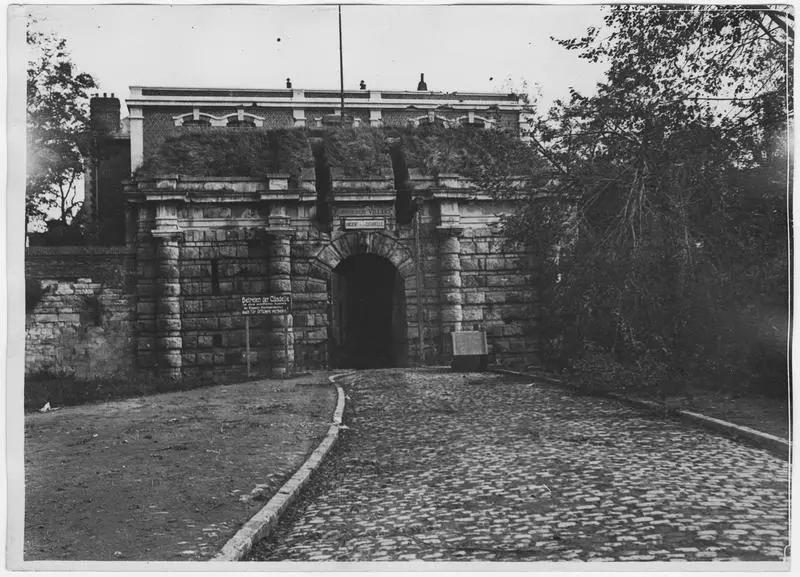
column 459, row 48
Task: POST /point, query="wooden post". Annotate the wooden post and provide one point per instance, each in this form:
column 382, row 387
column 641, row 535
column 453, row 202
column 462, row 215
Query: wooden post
column 286, row 341
column 247, row 341
column 418, row 270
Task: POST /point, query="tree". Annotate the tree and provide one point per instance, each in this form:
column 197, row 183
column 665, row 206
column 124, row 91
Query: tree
column 57, row 127
column 669, row 190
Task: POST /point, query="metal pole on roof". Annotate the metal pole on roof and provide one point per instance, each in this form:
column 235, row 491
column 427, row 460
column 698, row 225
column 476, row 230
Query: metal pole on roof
column 341, row 66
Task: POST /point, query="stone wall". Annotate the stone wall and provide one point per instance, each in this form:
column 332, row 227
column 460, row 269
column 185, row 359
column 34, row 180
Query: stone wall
column 175, row 302
column 83, row 320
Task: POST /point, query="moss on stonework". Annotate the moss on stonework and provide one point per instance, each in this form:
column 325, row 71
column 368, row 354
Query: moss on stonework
column 350, row 152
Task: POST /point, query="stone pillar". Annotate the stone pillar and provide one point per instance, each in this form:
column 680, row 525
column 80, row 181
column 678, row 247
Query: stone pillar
column 145, row 290
column 281, row 333
column 168, row 292
column 450, row 280
column 168, row 310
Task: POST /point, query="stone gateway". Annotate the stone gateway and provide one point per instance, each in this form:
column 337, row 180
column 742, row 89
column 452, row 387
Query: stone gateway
column 381, row 254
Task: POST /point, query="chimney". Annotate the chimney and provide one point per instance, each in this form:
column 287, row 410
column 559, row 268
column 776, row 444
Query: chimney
column 104, row 113
column 422, row 85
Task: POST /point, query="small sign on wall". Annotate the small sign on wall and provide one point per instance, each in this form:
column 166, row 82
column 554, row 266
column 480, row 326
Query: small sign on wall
column 364, row 223
column 267, row 305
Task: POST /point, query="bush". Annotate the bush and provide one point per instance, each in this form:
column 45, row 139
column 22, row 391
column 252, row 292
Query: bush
column 599, row 371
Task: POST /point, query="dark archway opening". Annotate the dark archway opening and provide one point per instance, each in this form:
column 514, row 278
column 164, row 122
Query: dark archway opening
column 368, row 322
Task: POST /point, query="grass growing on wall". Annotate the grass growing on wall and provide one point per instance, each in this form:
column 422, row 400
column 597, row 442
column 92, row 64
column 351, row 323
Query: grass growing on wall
column 467, row 151
column 352, row 152
column 230, row 153
column 357, row 152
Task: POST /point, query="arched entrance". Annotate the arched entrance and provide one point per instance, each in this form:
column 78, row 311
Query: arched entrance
column 368, row 319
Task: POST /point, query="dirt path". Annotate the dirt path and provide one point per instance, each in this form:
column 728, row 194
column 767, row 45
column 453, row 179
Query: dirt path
column 165, row 477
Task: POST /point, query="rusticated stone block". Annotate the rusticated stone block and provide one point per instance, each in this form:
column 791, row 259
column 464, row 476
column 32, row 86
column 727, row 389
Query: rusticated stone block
column 449, row 245
column 319, row 270
column 329, row 257
column 299, row 268
column 279, row 248
column 168, row 324
column 451, row 314
column 280, row 285
column 169, row 306
column 317, row 335
column 280, row 267
column 171, row 358
column 472, row 314
column 214, row 305
column 168, row 343
column 280, row 321
column 450, row 262
column 475, row 297
column 208, row 323
column 495, row 297
column 451, row 280
column 470, row 264
column 452, row 298
column 406, row 269
column 208, row 252
column 170, row 290
column 226, row 251
column 168, row 250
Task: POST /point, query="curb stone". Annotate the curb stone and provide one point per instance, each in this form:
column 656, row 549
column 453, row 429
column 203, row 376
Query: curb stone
column 263, row 522
column 776, row 445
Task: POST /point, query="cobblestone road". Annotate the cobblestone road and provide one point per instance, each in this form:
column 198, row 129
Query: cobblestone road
column 453, row 466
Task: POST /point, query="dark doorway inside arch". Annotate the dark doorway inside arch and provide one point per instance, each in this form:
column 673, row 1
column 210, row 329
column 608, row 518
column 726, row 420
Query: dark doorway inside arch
column 368, row 321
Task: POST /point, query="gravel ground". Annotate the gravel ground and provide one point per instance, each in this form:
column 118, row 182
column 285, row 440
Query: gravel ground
column 454, row 466
column 166, row 477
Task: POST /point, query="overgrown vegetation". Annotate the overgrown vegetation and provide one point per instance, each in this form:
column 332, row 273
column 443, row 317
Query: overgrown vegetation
column 483, row 155
column 354, row 152
column 662, row 241
column 245, row 153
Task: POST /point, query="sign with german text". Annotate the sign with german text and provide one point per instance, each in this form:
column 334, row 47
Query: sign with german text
column 267, row 304
column 364, row 223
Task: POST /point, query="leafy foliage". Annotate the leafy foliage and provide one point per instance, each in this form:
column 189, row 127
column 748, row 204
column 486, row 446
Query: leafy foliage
column 668, row 210
column 57, row 126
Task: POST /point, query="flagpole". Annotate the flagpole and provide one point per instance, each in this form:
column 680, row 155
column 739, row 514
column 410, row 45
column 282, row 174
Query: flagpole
column 341, row 66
